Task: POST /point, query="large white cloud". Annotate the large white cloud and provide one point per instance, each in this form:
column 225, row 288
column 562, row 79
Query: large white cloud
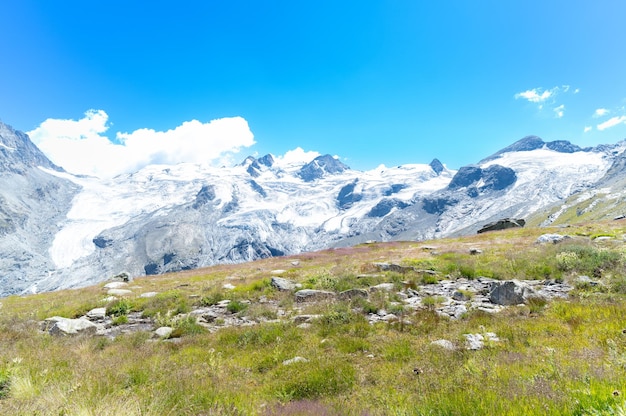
column 80, row 147
column 612, row 122
column 297, row 156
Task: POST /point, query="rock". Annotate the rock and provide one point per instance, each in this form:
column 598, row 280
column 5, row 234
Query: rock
column 163, row 332
column 445, row 344
column 64, row 326
column 391, row 267
column 295, row 263
column 312, row 295
column 584, row 281
column 209, row 316
column 510, row 292
column 228, row 286
column 300, row 319
column 384, row 287
column 353, row 293
column 97, row 314
column 295, row 360
column 460, row 296
column 115, row 285
column 123, row 276
column 477, row 341
column 119, row 292
column 148, row 295
column 284, row 284
column 550, row 238
column 502, row 224
column 474, row 251
column 619, row 217
column 278, row 272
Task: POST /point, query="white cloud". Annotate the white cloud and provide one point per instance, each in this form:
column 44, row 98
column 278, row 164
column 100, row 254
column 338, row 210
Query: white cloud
column 577, row 90
column 612, row 122
column 559, row 111
column 588, row 129
column 536, row 95
column 297, row 156
column 600, row 112
column 81, row 148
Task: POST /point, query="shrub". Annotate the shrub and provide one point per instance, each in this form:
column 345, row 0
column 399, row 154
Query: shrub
column 236, row 306
column 172, row 302
column 118, row 308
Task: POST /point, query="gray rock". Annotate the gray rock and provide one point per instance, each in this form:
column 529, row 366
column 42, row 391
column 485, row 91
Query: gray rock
column 148, row 295
column 163, row 332
column 295, row 360
column 97, row 314
column 510, row 292
column 312, row 295
column 445, row 344
column 115, row 285
column 550, row 238
column 284, row 284
column 460, row 296
column 383, row 287
column 391, row 267
column 474, row 251
column 299, row 319
column 123, row 276
column 353, row 293
column 477, row 341
column 59, row 326
column 502, row 224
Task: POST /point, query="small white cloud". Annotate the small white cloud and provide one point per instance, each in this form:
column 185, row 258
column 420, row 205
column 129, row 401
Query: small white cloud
column 536, row 95
column 612, row 122
column 577, row 90
column 297, row 156
column 588, row 129
column 80, row 148
column 559, row 111
column 600, row 112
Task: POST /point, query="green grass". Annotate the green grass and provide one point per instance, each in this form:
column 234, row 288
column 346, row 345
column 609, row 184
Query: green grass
column 563, row 357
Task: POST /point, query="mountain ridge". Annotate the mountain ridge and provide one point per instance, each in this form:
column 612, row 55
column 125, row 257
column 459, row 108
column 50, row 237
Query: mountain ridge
column 168, row 218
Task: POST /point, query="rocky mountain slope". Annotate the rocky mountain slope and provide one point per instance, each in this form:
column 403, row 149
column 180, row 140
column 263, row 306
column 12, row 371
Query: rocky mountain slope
column 63, row 231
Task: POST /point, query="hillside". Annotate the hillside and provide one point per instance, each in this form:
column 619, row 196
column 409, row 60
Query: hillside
column 406, row 328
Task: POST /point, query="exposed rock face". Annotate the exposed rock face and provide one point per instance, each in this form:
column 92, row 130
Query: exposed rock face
column 502, row 224
column 312, row 295
column 385, row 206
column 321, row 166
column 437, row 166
column 347, row 196
column 284, row 284
column 64, row 326
column 494, row 177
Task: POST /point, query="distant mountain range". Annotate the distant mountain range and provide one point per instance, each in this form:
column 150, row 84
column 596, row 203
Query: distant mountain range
column 58, row 230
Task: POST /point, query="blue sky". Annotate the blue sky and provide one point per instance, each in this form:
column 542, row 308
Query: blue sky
column 374, row 82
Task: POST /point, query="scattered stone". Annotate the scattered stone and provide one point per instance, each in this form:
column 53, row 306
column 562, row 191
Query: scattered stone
column 353, row 293
column 109, row 299
column 365, row 276
column 163, row 332
column 97, row 314
column 461, row 296
column 295, row 263
column 603, row 238
column 115, row 285
column 295, row 360
column 445, row 344
column 429, row 248
column 585, row 280
column 284, row 284
column 304, row 325
column 148, row 295
column 59, row 326
column 477, row 341
column 278, row 272
column 119, row 292
column 474, row 251
column 209, row 316
column 510, row 292
column 619, row 217
column 228, row 286
column 223, row 303
column 383, row 287
column 312, row 295
column 550, row 238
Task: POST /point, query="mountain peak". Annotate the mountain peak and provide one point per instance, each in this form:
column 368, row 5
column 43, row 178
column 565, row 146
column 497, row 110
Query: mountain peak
column 436, row 166
column 18, row 152
column 321, row 166
column 529, row 143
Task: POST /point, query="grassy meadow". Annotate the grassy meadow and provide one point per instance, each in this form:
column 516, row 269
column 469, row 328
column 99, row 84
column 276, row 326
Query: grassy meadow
column 564, row 357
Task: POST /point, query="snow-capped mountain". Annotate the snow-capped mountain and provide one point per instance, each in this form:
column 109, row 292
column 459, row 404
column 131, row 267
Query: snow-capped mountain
column 168, row 218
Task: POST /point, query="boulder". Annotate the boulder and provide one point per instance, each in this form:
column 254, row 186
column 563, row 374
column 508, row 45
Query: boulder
column 391, row 267
column 163, row 332
column 123, row 276
column 312, row 295
column 353, row 293
column 502, row 224
column 119, row 292
column 97, row 314
column 295, row 360
column 59, row 326
column 284, row 284
column 444, row 343
column 115, row 285
column 510, row 292
column 477, row 341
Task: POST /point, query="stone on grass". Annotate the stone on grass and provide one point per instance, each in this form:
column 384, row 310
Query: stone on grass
column 97, row 314
column 312, row 295
column 353, row 293
column 445, row 344
column 477, row 341
column 163, row 332
column 295, row 360
column 115, row 285
column 511, row 292
column 64, row 326
column 228, row 286
column 284, row 284
column 550, row 238
column 148, row 295
column 383, row 287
